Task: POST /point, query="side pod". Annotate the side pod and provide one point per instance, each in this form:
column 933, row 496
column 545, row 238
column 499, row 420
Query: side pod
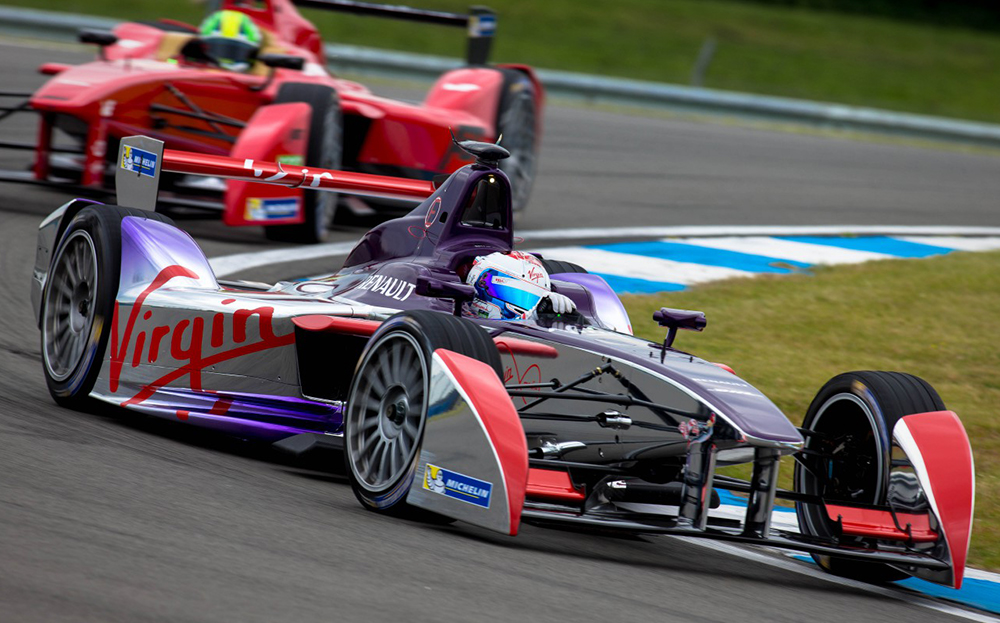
column 473, row 465
column 938, row 447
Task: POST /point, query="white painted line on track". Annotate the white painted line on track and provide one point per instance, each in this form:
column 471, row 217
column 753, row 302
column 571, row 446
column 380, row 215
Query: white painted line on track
column 788, row 249
column 945, row 236
column 643, row 267
column 804, row 569
column 229, row 264
column 957, row 242
column 681, row 231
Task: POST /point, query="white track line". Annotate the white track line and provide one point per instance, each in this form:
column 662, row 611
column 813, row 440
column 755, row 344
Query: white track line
column 756, row 230
column 804, row 569
column 229, row 264
column 788, row 249
column 643, row 267
column 955, row 242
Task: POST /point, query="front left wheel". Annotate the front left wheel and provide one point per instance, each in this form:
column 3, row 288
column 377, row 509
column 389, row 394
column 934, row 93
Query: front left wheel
column 78, row 300
column 389, row 400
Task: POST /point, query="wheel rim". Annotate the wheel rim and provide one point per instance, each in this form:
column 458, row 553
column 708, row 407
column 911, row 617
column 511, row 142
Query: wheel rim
column 518, row 128
column 69, row 306
column 863, row 485
column 385, row 417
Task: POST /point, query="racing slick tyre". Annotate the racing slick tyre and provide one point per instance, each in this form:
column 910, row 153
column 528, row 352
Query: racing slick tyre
column 388, row 403
column 516, row 122
column 324, row 151
column 554, row 267
column 851, row 419
column 79, row 299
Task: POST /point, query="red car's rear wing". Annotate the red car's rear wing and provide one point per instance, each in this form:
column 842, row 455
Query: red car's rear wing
column 141, row 159
column 480, row 22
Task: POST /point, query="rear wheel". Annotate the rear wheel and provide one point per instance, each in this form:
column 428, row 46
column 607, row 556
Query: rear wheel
column 516, row 121
column 78, row 301
column 389, row 399
column 853, row 416
column 323, row 151
column 554, row 267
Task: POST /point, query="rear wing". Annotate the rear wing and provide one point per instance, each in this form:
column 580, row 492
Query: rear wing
column 141, row 160
column 480, row 23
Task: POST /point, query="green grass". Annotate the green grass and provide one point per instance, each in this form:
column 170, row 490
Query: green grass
column 761, row 49
column 937, row 318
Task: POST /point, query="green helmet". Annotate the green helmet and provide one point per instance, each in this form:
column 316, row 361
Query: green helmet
column 230, row 39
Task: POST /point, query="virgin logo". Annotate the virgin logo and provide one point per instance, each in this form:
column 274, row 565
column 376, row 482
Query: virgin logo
column 186, row 339
column 536, row 274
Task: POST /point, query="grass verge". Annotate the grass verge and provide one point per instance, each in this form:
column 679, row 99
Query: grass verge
column 773, row 50
column 938, row 318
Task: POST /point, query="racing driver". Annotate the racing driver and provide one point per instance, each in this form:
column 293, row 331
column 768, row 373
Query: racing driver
column 511, row 286
column 230, row 40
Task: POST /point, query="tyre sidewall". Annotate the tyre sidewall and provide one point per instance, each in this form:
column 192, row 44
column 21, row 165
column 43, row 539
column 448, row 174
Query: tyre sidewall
column 106, row 238
column 324, row 150
column 517, row 89
column 394, row 493
column 885, row 397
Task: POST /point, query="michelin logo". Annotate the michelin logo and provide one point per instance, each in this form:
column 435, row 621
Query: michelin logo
column 138, row 161
column 259, row 209
column 458, row 486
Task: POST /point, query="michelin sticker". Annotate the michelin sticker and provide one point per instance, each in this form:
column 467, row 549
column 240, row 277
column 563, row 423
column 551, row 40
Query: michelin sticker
column 139, row 161
column 260, row 209
column 458, row 486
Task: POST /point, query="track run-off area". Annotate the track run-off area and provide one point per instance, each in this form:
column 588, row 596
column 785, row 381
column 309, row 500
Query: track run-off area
column 112, row 516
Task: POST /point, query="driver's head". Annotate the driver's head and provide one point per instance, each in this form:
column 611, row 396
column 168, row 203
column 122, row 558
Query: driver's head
column 230, row 39
column 508, row 285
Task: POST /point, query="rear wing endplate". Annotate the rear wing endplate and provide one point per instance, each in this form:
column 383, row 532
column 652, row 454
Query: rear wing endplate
column 480, row 23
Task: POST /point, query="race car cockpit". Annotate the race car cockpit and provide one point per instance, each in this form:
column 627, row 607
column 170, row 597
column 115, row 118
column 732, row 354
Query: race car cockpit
column 469, row 215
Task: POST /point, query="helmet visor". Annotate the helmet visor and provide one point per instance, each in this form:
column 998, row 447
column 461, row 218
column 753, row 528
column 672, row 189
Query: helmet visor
column 232, row 54
column 509, row 290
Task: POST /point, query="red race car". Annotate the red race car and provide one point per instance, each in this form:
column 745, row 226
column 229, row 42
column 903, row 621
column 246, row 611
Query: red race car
column 252, row 83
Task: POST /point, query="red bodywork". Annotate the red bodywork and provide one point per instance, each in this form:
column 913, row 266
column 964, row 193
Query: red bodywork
column 144, row 85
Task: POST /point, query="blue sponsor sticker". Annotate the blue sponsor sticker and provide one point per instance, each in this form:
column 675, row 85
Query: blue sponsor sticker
column 139, row 161
column 261, row 209
column 458, row 486
column 482, row 25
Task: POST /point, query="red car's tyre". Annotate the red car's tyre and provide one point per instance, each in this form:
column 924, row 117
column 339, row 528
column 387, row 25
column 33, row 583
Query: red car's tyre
column 851, row 454
column 324, row 150
column 78, row 300
column 389, row 399
column 516, row 121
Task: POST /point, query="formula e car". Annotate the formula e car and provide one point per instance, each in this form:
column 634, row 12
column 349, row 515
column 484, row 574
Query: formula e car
column 156, row 79
column 565, row 420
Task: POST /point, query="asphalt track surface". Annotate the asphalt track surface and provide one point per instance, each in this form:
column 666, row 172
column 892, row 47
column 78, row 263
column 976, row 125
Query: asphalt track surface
column 115, row 517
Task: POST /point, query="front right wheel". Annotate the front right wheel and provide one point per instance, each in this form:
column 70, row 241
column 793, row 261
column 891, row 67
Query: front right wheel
column 849, row 454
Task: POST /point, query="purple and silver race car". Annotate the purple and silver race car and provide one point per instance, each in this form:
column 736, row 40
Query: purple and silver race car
column 557, row 419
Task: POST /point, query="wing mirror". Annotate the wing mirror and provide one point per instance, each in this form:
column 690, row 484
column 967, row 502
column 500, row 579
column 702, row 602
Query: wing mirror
column 102, row 38
column 441, row 289
column 675, row 319
column 282, row 61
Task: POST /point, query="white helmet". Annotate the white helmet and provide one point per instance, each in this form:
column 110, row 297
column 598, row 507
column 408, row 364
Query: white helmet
column 508, row 285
